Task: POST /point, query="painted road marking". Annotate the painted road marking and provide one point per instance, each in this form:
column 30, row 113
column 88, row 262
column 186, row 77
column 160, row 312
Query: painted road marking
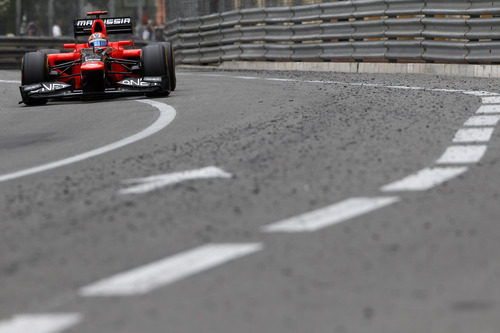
column 10, row 81
column 489, row 109
column 354, row 84
column 152, row 183
column 491, row 100
column 330, row 215
column 40, row 323
column 462, row 155
column 479, row 93
column 491, row 120
column 469, row 135
column 164, row 272
column 167, row 115
column 424, row 179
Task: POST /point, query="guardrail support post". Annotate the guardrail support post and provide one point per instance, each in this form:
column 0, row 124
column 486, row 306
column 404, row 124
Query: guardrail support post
column 112, row 7
column 18, row 17
column 50, row 14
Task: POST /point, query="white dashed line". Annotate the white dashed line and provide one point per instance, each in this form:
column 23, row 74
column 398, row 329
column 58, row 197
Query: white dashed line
column 470, row 135
column 164, row 272
column 40, row 323
column 167, row 115
column 488, row 109
column 491, row 100
column 462, row 155
column 425, row 179
column 491, row 120
column 152, row 183
column 330, row 215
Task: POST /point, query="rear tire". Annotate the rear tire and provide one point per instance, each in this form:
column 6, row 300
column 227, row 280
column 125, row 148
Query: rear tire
column 154, row 63
column 34, row 69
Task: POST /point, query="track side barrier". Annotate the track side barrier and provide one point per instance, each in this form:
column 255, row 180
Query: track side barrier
column 458, row 31
column 443, row 31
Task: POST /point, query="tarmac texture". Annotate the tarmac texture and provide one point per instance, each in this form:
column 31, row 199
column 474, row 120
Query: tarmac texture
column 299, row 142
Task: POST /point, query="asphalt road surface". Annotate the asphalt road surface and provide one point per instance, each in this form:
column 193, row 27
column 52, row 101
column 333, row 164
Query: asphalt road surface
column 254, row 202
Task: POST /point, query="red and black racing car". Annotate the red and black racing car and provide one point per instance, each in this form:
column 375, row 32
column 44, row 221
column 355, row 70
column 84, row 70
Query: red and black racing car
column 98, row 68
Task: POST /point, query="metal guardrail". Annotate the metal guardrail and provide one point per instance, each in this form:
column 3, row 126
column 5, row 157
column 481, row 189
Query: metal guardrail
column 450, row 31
column 454, row 31
column 12, row 49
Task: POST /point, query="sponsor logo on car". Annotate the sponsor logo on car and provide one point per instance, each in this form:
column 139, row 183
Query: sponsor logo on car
column 135, row 83
column 107, row 22
column 49, row 87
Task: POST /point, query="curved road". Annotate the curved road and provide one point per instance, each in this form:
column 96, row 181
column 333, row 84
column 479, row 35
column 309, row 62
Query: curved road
column 290, row 231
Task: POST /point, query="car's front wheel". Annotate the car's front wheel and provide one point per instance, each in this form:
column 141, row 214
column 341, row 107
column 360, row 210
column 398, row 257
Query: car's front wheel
column 34, row 69
column 171, row 64
column 154, row 62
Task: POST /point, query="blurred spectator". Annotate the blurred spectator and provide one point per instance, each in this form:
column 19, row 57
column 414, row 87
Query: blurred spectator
column 146, row 34
column 139, row 30
column 23, row 29
column 151, row 30
column 159, row 34
column 32, row 28
column 56, row 29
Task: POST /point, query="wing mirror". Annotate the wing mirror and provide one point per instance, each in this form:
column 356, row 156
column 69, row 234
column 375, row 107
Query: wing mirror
column 70, row 46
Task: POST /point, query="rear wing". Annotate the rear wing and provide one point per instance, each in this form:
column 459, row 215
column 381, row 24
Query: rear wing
column 114, row 25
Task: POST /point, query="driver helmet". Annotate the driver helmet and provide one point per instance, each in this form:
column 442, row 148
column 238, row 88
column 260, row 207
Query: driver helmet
column 98, row 40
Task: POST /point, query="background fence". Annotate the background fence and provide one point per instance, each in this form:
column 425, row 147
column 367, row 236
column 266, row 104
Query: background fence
column 459, row 31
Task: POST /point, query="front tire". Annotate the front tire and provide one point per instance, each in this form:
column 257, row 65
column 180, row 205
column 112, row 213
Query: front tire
column 34, row 69
column 154, row 63
column 171, row 64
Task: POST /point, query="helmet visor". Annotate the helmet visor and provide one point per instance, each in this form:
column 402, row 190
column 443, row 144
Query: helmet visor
column 98, row 43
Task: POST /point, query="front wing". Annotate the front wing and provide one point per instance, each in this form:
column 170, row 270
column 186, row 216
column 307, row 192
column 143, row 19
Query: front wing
column 60, row 90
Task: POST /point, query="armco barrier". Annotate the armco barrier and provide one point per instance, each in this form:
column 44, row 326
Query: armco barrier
column 12, row 49
column 449, row 31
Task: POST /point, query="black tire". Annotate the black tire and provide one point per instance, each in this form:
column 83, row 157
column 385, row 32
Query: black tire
column 154, row 63
column 34, row 69
column 171, row 64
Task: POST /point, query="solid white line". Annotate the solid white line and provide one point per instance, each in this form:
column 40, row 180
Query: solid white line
column 449, row 90
column 488, row 109
column 280, row 80
column 491, row 100
column 479, row 93
column 152, row 183
column 462, row 155
column 40, row 323
column 169, row 270
column 355, row 84
column 424, row 179
column 469, row 135
column 404, row 87
column 483, row 120
column 324, row 217
column 10, row 81
column 167, row 115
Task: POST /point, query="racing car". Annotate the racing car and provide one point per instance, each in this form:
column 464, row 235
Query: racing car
column 98, row 68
